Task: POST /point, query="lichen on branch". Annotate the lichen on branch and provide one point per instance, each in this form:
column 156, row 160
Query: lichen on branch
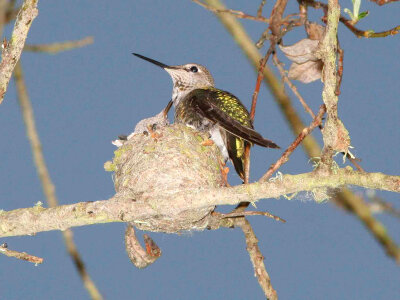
column 13, row 49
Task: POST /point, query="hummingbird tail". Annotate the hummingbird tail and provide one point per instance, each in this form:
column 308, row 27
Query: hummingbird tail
column 236, row 147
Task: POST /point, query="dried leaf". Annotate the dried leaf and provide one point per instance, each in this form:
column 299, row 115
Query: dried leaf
column 302, row 51
column 315, row 31
column 306, row 72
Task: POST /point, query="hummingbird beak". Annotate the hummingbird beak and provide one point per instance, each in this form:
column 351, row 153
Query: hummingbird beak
column 157, row 63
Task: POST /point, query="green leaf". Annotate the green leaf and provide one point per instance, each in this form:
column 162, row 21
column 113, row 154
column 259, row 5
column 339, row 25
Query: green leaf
column 363, row 14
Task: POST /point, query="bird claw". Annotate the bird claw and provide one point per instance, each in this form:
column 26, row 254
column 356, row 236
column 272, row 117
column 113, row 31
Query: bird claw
column 207, row 142
column 224, row 172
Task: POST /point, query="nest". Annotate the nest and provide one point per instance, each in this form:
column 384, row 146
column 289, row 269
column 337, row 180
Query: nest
column 153, row 167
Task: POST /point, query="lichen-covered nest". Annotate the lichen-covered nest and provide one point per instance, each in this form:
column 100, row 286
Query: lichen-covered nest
column 152, row 167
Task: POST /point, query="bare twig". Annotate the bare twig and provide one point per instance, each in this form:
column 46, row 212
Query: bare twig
column 12, row 50
column 44, row 176
column 3, row 11
column 354, row 161
column 303, row 12
column 368, row 33
column 260, row 76
column 276, row 18
column 285, row 156
column 292, row 86
column 383, row 2
column 380, row 205
column 340, row 69
column 349, row 24
column 236, row 13
column 252, row 213
column 8, row 13
column 58, row 47
column 275, row 23
column 20, row 255
column 260, row 8
column 257, row 259
column 264, row 36
column 357, row 206
column 29, row 119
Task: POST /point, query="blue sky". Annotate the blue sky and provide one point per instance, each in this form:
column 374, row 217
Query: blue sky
column 84, row 98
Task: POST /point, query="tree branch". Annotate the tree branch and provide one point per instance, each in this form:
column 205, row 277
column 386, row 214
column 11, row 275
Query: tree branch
column 28, row 221
column 357, row 206
column 257, row 259
column 12, row 51
column 335, row 135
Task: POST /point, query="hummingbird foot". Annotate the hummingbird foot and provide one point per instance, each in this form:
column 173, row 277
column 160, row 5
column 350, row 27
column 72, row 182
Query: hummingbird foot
column 208, row 142
column 224, row 172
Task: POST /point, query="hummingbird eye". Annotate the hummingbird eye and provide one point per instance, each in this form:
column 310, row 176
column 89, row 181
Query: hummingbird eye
column 194, row 69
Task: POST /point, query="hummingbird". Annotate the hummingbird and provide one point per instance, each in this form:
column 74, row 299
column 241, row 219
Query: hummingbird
column 201, row 106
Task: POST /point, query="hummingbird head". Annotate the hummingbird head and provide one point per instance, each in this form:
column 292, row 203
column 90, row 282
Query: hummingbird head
column 185, row 78
column 190, row 76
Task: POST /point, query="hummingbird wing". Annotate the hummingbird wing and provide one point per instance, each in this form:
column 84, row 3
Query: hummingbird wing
column 227, row 111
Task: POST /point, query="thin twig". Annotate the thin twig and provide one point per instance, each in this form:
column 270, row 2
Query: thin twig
column 257, row 259
column 274, row 25
column 54, row 48
column 368, row 33
column 340, row 68
column 236, row 13
column 12, row 50
column 379, row 205
column 4, row 4
column 8, row 13
column 260, row 8
column 252, row 213
column 284, row 76
column 264, row 36
column 12, row 13
column 349, row 24
column 20, row 255
column 260, row 76
column 285, row 156
column 275, row 22
column 45, row 179
column 354, row 161
column 358, row 207
column 383, row 2
column 303, row 13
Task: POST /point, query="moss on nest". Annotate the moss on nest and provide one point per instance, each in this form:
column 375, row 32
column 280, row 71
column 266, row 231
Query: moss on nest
column 148, row 167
